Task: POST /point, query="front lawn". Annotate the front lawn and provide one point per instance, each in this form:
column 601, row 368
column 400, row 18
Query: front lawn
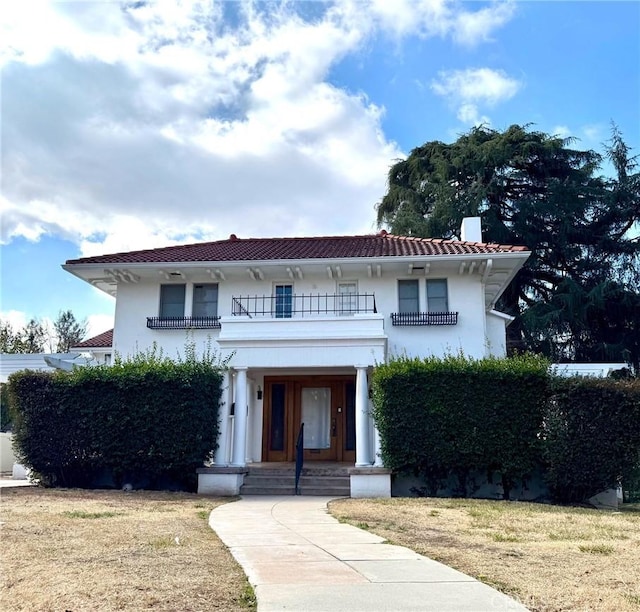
column 550, row 558
column 72, row 549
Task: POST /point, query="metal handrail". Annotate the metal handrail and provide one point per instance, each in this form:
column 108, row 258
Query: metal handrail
column 424, row 318
column 299, row 456
column 301, row 304
column 183, row 322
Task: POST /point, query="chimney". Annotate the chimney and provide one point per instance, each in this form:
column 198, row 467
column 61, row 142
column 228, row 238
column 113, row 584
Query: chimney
column 471, row 230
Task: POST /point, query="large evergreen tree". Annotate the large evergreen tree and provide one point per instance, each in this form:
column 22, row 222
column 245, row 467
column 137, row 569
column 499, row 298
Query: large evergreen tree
column 69, row 330
column 577, row 296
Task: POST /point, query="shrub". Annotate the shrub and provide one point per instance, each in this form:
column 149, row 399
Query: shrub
column 592, row 436
column 148, row 419
column 6, row 417
column 458, row 415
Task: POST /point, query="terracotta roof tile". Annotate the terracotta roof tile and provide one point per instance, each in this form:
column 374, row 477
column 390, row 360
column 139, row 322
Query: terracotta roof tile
column 327, row 247
column 103, row 340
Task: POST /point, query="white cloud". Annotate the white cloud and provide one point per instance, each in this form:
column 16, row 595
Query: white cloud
column 98, row 323
column 561, row 131
column 592, row 133
column 16, row 318
column 185, row 128
column 468, row 113
column 137, row 125
column 473, row 27
column 468, row 90
column 427, row 18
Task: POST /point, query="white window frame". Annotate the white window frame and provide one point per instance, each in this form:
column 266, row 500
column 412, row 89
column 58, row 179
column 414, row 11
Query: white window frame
column 163, row 303
column 275, row 301
column 193, row 300
column 405, row 282
column 347, row 302
column 431, row 282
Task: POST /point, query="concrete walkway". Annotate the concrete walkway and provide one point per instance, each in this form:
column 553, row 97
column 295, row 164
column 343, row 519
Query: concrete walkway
column 7, row 481
column 299, row 558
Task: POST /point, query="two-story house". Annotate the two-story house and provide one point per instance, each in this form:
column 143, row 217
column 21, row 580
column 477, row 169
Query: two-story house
column 304, row 321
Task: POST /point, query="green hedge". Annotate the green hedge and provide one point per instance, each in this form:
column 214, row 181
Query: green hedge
column 148, row 420
column 458, row 415
column 5, row 414
column 592, row 436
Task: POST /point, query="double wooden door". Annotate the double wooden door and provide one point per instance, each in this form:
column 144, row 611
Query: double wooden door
column 326, row 406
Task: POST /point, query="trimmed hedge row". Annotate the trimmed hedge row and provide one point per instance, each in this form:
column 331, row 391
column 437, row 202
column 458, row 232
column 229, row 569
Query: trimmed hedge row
column 592, row 436
column 456, row 417
column 149, row 422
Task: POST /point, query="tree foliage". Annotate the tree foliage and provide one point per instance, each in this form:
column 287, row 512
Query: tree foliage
column 577, row 295
column 32, row 338
column 38, row 336
column 69, row 331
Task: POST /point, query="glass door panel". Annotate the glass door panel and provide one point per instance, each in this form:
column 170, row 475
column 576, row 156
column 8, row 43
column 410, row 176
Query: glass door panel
column 284, row 301
column 316, row 416
column 278, row 421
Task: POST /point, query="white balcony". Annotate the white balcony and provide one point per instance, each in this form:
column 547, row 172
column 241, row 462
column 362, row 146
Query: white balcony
column 320, row 340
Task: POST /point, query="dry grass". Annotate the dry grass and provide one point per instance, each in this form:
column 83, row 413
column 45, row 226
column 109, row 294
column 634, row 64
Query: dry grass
column 109, row 550
column 550, row 558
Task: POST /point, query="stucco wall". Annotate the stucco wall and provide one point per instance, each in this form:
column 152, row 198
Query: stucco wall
column 472, row 334
column 496, row 335
column 7, row 458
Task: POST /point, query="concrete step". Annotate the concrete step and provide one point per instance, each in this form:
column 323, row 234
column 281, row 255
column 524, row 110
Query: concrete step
column 316, row 480
column 322, row 491
column 275, row 481
column 257, row 490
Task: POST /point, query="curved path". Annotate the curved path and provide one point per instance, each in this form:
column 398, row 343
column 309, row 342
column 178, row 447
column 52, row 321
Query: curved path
column 298, row 557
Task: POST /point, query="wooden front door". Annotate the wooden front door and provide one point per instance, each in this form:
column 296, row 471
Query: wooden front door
column 326, row 406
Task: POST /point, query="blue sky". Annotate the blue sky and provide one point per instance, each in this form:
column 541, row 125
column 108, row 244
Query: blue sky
column 134, row 125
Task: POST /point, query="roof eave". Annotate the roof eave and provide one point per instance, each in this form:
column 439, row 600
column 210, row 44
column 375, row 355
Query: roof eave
column 72, row 267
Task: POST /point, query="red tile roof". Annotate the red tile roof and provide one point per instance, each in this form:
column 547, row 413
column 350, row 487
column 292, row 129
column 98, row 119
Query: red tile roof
column 103, row 340
column 328, row 247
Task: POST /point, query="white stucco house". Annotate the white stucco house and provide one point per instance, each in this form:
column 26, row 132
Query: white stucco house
column 304, row 321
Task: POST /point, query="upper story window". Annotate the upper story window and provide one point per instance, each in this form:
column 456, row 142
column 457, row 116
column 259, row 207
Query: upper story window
column 437, row 311
column 283, row 301
column 347, row 298
column 172, row 300
column 205, row 300
column 408, row 296
column 437, row 295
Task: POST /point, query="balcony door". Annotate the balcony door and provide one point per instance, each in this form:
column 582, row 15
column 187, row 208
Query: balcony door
column 326, row 406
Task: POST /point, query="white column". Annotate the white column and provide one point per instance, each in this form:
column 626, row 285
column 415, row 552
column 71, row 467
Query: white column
column 362, row 418
column 240, row 425
column 222, row 452
column 377, row 459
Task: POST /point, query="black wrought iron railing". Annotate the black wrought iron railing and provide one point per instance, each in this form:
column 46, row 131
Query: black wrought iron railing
column 299, row 457
column 183, row 322
column 424, row 318
column 300, row 305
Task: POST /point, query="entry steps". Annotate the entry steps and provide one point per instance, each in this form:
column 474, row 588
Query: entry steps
column 279, row 479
